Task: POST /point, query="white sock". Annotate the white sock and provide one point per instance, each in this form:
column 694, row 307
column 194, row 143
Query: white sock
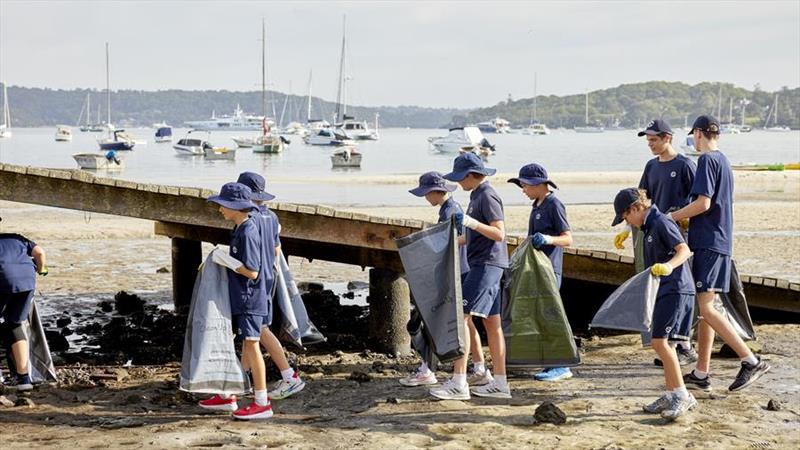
column 479, row 367
column 751, row 359
column 669, row 394
column 226, row 396
column 287, row 374
column 700, row 374
column 423, row 368
column 460, row 379
column 261, row 398
column 681, row 392
column 673, row 344
column 501, row 380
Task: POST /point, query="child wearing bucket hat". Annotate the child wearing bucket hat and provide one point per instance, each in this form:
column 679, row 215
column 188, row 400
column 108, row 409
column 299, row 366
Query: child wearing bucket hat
column 250, row 279
column 665, row 253
column 437, row 192
column 487, row 255
column 290, row 383
column 549, row 232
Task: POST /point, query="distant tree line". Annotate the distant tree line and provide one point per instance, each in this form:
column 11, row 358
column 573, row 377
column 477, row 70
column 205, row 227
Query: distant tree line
column 633, row 105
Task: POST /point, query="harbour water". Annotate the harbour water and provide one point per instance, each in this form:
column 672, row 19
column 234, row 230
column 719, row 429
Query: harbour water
column 303, row 174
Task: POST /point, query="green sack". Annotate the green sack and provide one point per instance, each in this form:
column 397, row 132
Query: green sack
column 638, row 249
column 535, row 326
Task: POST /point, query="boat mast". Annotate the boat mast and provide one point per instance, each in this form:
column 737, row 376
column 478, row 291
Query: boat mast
column 108, row 91
column 263, row 70
column 534, row 98
column 586, row 117
column 730, row 110
column 719, row 101
column 6, row 111
column 88, row 109
column 775, row 121
column 340, row 93
column 285, row 101
column 308, row 113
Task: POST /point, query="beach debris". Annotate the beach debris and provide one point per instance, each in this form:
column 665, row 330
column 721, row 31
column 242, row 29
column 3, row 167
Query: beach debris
column 110, row 375
column 548, row 412
column 162, row 270
column 24, row 402
column 360, row 376
column 774, row 405
column 128, row 303
column 6, row 401
column 113, row 423
column 128, row 364
column 393, row 400
column 310, row 286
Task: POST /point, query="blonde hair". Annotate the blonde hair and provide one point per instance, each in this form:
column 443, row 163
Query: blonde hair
column 643, row 202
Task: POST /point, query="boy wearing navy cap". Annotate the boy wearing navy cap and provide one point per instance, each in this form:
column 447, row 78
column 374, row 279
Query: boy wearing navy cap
column 290, row 383
column 437, row 191
column 665, row 252
column 487, row 255
column 549, row 232
column 20, row 260
column 711, row 240
column 250, row 260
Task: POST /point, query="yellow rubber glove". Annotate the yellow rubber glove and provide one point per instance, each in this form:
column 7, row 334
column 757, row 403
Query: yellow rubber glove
column 661, row 270
column 684, row 224
column 619, row 239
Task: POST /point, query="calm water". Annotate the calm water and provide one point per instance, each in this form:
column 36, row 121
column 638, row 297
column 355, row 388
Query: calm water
column 292, row 174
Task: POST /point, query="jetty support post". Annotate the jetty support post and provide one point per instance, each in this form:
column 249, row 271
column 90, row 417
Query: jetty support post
column 186, row 258
column 389, row 310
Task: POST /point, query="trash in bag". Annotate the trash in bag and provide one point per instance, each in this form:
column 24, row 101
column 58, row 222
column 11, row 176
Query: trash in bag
column 295, row 328
column 735, row 304
column 209, row 363
column 421, row 340
column 637, row 236
column 430, row 259
column 535, row 325
column 40, row 362
column 630, row 307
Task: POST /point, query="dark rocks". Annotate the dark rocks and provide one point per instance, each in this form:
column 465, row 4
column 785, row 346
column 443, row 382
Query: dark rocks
column 25, row 402
column 63, row 322
column 357, row 285
column 360, row 376
column 56, row 341
column 106, row 306
column 548, row 412
column 727, row 352
column 128, row 303
column 310, row 286
column 393, row 401
column 774, row 405
column 349, row 295
column 66, row 331
column 162, row 270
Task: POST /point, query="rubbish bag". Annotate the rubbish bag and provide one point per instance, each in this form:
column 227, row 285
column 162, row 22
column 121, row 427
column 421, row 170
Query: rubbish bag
column 735, row 305
column 421, row 340
column 638, row 249
column 40, row 362
column 430, row 259
column 535, row 326
column 630, row 307
column 296, row 328
column 209, row 363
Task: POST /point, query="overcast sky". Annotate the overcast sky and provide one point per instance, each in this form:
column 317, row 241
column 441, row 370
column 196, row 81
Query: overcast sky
column 400, row 53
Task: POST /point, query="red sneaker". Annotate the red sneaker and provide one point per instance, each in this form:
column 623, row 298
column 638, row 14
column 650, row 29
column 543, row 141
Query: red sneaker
column 254, row 411
column 218, row 403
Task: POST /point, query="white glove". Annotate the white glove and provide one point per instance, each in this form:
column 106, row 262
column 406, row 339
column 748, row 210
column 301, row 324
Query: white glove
column 223, row 259
column 469, row 222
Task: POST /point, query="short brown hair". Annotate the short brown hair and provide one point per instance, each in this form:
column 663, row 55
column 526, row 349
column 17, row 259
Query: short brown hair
column 642, row 201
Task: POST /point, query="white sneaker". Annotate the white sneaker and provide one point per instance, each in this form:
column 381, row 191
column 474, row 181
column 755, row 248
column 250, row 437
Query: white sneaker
column 480, row 378
column 678, row 407
column 493, row 390
column 284, row 389
column 451, row 391
column 418, row 378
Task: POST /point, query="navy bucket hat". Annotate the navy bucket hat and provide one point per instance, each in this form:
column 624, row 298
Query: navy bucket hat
column 234, row 196
column 431, row 181
column 465, row 164
column 532, row 174
column 624, row 199
column 257, row 184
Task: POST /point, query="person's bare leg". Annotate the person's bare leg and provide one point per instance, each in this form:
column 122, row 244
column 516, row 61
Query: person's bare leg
column 705, row 343
column 497, row 343
column 20, row 351
column 672, row 369
column 460, row 365
column 274, row 348
column 256, row 361
column 475, row 344
column 719, row 323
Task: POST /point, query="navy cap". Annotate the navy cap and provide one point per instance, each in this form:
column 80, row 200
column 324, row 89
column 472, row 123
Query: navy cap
column 656, row 127
column 532, row 174
column 624, row 199
column 431, row 181
column 257, row 184
column 234, row 196
column 705, row 123
column 465, row 164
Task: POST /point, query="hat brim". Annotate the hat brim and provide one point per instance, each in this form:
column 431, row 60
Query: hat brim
column 654, row 133
column 262, row 196
column 230, row 204
column 458, row 176
column 421, row 191
column 691, row 131
column 617, row 220
column 531, row 181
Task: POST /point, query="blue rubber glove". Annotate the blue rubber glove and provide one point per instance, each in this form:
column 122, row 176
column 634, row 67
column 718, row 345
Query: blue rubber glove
column 539, row 240
column 459, row 216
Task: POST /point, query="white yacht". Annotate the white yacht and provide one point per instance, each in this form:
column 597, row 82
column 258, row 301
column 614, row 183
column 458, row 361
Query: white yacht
column 163, row 133
column 346, row 156
column 238, row 121
column 536, row 129
column 461, row 139
column 99, row 161
column 63, row 133
column 358, row 130
column 327, row 136
column 4, row 127
column 192, row 145
column 588, row 128
column 496, row 125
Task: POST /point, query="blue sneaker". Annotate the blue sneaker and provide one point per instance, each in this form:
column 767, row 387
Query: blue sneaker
column 542, row 374
column 554, row 374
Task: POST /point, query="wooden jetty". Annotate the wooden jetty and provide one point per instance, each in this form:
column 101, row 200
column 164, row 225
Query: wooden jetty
column 308, row 231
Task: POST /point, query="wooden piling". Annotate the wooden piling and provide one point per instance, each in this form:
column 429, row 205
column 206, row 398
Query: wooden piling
column 186, row 258
column 389, row 310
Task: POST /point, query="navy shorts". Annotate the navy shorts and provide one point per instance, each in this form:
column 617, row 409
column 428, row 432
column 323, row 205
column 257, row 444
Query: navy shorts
column 672, row 317
column 248, row 326
column 16, row 307
column 711, row 271
column 481, row 290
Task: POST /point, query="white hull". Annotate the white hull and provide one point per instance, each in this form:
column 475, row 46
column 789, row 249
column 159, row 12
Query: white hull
column 192, row 150
column 63, row 134
column 589, row 129
column 160, row 139
column 63, row 138
column 98, row 161
column 244, row 142
column 346, row 158
column 220, row 153
column 778, row 129
column 459, row 140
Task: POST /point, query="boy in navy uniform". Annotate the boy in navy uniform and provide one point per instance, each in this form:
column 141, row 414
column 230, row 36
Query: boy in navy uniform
column 251, row 258
column 437, row 191
column 20, row 260
column 290, row 383
column 668, row 180
column 665, row 252
column 487, row 255
column 549, row 232
column 711, row 240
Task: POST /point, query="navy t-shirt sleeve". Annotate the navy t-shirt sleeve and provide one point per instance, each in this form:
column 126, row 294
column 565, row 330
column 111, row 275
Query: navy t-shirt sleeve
column 249, row 249
column 704, row 181
column 643, row 180
column 276, row 233
column 670, row 235
column 560, row 223
column 492, row 209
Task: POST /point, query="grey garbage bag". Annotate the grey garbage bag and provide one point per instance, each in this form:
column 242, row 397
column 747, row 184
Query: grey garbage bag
column 40, row 362
column 430, row 259
column 735, row 305
column 295, row 328
column 630, row 307
column 421, row 340
column 209, row 363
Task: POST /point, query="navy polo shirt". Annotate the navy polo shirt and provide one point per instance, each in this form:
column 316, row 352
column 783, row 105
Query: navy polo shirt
column 266, row 212
column 486, row 207
column 668, row 184
column 550, row 218
column 448, row 208
column 17, row 271
column 713, row 230
column 661, row 235
column 252, row 243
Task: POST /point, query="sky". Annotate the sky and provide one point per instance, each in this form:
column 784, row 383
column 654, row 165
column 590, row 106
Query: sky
column 426, row 53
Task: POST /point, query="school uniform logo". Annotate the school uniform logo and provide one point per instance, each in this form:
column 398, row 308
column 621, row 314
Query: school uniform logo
column 673, row 174
column 234, row 250
column 538, row 216
column 699, row 284
column 649, row 239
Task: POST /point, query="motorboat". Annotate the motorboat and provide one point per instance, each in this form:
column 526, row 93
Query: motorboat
column 99, row 161
column 536, row 129
column 244, row 141
column 774, row 114
column 689, row 149
column 590, row 129
column 116, row 140
column 295, row 128
column 460, row 139
column 63, row 133
column 358, row 130
column 327, row 136
column 163, row 134
column 5, row 132
column 269, row 143
column 223, row 153
column 238, row 121
column 192, row 145
column 496, row 125
column 347, row 156
column 729, row 128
